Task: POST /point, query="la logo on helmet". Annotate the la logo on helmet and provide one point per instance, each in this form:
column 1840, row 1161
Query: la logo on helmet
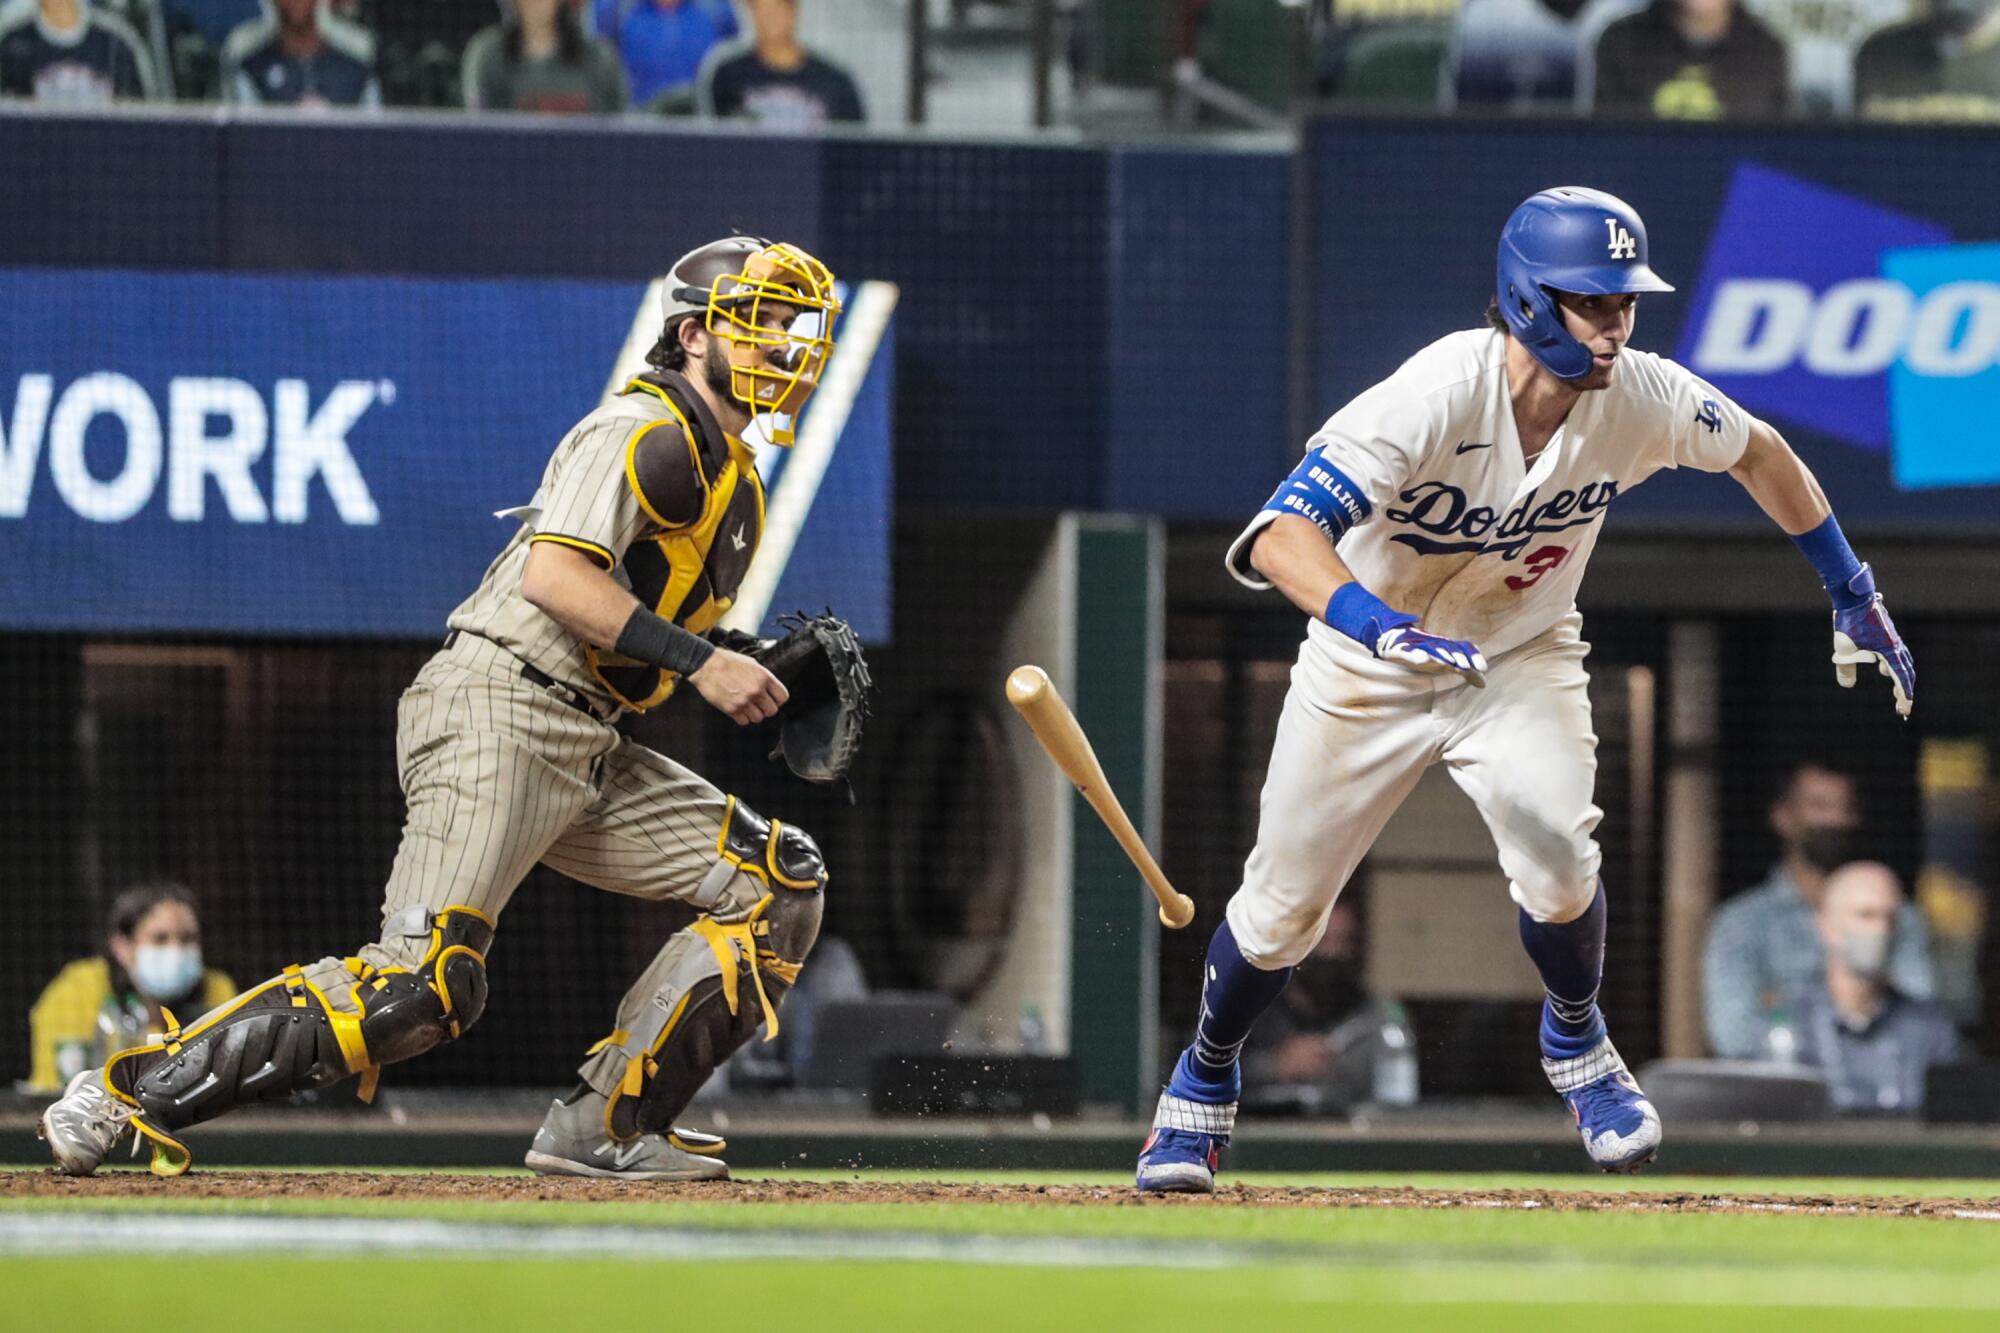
column 1622, row 244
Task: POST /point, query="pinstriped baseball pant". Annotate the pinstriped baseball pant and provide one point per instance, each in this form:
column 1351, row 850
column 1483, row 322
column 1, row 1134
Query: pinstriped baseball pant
column 499, row 775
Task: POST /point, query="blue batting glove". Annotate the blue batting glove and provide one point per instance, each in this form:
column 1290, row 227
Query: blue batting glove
column 1431, row 652
column 1863, row 633
column 1392, row 635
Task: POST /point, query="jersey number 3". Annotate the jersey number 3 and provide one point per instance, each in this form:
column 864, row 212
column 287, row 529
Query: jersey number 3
column 1537, row 564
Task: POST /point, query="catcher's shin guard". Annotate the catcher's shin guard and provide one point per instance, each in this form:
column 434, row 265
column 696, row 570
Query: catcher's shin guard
column 700, row 1010
column 286, row 1036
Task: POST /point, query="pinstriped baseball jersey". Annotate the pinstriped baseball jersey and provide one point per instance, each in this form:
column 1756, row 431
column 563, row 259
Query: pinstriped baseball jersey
column 652, row 488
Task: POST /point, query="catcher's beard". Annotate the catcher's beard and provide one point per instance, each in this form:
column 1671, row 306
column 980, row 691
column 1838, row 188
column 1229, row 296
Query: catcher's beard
column 715, row 370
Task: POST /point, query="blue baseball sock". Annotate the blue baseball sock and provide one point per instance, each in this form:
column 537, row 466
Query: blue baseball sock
column 1233, row 994
column 1570, row 957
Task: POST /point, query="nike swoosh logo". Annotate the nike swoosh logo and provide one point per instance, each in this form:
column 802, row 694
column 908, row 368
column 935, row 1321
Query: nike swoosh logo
column 1465, row 448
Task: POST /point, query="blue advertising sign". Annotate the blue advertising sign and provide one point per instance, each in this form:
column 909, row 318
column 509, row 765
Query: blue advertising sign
column 1880, row 333
column 286, row 455
column 1841, row 284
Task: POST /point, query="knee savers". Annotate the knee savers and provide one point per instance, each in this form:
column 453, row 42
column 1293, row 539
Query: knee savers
column 285, row 1037
column 404, row 1014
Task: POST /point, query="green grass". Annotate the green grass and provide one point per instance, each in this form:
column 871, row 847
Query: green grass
column 1342, row 1269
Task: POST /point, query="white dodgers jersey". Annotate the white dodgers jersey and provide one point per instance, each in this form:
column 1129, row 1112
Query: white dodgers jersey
column 1452, row 527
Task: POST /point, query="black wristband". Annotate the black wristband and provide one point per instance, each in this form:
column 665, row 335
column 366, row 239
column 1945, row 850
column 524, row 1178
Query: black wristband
column 650, row 638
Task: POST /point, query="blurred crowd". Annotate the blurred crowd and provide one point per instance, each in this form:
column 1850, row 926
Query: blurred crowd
column 1248, row 61
column 714, row 58
column 1667, row 59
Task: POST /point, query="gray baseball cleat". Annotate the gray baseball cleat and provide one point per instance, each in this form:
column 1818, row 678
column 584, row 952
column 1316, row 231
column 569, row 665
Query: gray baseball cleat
column 573, row 1142
column 83, row 1125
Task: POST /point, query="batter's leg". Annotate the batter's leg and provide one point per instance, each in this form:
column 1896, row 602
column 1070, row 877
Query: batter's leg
column 662, row 831
column 1348, row 750
column 1524, row 750
column 492, row 771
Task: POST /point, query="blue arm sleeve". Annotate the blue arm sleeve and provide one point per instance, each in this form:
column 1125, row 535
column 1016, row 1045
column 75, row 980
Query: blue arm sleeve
column 1826, row 547
column 1321, row 492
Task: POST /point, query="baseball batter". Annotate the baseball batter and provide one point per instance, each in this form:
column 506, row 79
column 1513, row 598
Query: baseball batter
column 634, row 546
column 1436, row 532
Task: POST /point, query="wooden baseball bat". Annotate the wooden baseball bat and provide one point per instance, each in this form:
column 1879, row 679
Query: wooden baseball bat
column 1041, row 706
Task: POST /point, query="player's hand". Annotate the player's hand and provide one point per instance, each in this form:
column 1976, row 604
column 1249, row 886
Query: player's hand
column 1863, row 634
column 1432, row 652
column 738, row 686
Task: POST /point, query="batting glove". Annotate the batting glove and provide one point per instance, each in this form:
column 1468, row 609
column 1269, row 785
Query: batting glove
column 1863, row 633
column 1431, row 652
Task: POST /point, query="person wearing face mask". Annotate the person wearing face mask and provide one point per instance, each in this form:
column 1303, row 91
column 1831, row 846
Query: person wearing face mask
column 151, row 965
column 1764, row 944
column 1873, row 1043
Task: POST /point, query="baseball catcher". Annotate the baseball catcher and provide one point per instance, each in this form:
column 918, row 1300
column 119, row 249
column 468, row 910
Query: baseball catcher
column 604, row 602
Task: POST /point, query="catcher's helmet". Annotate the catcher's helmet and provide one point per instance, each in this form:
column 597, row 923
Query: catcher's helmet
column 1568, row 239
column 727, row 283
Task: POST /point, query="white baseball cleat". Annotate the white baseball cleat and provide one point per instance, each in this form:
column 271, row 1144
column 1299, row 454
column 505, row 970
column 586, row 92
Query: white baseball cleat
column 83, row 1125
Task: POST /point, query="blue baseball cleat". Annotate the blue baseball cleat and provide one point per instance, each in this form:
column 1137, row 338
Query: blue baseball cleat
column 1184, row 1150
column 1621, row 1130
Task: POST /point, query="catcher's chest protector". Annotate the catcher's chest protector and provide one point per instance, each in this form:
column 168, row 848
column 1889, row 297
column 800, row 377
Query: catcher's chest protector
column 710, row 514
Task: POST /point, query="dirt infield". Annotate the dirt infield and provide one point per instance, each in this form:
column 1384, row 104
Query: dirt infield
column 481, row 1189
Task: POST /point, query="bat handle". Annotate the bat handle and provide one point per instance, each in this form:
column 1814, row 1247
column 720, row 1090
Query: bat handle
column 1177, row 912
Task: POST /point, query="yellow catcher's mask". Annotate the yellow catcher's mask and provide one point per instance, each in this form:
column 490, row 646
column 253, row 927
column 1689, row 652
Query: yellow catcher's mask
column 774, row 306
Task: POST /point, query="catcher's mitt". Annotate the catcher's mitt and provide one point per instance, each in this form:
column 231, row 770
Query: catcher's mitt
column 820, row 662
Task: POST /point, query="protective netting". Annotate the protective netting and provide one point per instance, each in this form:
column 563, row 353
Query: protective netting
column 264, row 378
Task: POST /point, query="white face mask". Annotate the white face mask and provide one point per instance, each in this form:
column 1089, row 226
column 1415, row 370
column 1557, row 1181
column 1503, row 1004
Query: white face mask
column 1866, row 953
column 166, row 971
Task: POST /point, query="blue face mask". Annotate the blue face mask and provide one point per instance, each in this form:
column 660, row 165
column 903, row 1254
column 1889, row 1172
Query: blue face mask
column 166, row 971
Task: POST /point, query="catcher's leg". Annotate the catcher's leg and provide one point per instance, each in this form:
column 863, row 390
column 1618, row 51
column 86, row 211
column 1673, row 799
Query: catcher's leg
column 309, row 1027
column 702, row 997
column 492, row 770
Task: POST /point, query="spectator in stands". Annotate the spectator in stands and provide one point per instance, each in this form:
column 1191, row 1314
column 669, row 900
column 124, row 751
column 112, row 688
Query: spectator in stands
column 1942, row 65
column 1871, row 1042
column 1764, row 944
column 72, row 53
column 195, row 32
column 540, row 59
column 420, row 45
column 776, row 81
column 1514, row 55
column 1318, row 1045
column 1820, row 40
column 211, row 20
column 663, row 43
column 1691, row 60
column 301, row 55
column 96, row 1006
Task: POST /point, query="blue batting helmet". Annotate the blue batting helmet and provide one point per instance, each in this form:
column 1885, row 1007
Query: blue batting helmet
column 1568, row 239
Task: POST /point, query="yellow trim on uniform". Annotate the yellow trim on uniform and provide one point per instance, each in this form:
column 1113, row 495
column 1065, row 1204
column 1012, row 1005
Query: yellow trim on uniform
column 639, row 1066
column 715, row 1149
column 170, row 1156
column 724, row 942
column 694, row 458
column 577, row 543
column 685, row 549
column 771, row 859
column 618, row 1037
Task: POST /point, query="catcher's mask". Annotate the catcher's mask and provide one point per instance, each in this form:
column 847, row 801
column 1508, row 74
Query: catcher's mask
column 774, row 306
